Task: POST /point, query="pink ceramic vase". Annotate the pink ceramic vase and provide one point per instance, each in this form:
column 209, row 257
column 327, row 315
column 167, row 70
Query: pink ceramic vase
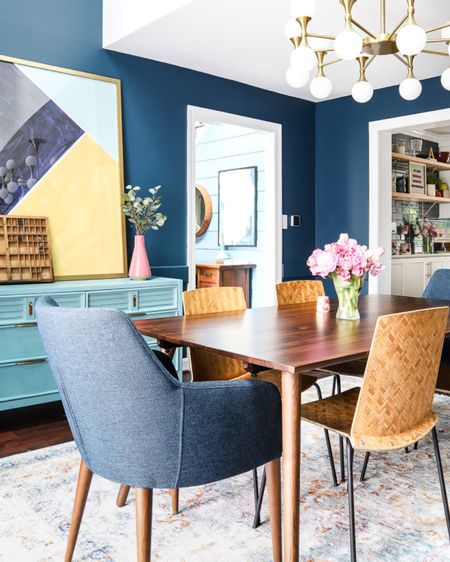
column 139, row 267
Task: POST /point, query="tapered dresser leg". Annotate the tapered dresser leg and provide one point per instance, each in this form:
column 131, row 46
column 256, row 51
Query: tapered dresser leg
column 291, row 385
column 274, row 491
column 83, row 485
column 175, row 495
column 122, row 496
column 144, row 498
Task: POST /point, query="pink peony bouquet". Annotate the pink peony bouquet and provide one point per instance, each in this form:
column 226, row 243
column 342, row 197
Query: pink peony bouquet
column 345, row 260
column 428, row 229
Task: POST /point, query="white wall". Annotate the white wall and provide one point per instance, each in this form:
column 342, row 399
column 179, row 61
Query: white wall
column 225, row 147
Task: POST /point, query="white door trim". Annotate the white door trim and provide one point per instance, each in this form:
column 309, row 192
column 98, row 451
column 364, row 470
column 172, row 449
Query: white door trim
column 195, row 114
column 380, row 172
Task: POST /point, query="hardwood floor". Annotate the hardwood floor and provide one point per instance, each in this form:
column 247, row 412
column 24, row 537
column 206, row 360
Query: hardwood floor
column 27, row 429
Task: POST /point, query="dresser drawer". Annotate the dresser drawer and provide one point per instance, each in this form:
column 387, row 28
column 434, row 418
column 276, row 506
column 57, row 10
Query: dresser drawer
column 158, row 299
column 15, row 310
column 120, row 300
column 20, row 342
column 210, row 276
column 25, row 384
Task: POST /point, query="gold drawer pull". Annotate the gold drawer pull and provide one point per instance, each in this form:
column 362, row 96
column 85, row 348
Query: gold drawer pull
column 30, row 309
column 32, row 361
column 207, row 274
column 26, row 325
column 134, row 301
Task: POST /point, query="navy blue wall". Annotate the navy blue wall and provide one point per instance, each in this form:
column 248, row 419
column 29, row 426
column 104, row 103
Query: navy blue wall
column 155, row 96
column 342, row 156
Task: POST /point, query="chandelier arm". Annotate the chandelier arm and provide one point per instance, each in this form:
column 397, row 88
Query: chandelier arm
column 362, row 28
column 370, row 61
column 441, row 40
column 436, row 28
column 320, row 36
column 383, row 16
column 401, row 59
column 397, row 27
column 331, row 62
column 441, row 53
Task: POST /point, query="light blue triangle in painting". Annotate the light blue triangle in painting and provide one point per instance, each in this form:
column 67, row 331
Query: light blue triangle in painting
column 91, row 103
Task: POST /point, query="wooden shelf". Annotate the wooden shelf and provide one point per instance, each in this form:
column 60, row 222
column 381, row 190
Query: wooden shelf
column 420, row 198
column 428, row 163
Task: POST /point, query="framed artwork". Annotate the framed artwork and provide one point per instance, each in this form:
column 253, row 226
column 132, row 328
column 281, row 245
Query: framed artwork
column 417, row 178
column 61, row 157
column 238, row 207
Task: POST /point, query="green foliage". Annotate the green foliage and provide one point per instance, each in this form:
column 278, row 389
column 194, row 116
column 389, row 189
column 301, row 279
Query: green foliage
column 142, row 212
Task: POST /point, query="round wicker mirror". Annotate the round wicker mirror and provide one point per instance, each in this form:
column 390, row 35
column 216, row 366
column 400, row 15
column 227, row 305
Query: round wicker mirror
column 203, row 210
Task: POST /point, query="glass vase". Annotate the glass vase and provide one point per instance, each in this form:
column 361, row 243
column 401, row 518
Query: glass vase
column 348, row 294
column 427, row 244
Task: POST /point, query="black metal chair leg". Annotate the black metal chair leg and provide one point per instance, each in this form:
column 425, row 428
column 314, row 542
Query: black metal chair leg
column 416, row 445
column 351, row 503
column 364, row 468
column 327, row 441
column 437, row 454
column 258, row 504
column 333, row 390
column 406, row 450
column 341, row 439
column 255, row 486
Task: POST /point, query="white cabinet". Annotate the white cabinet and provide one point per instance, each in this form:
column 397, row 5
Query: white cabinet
column 410, row 275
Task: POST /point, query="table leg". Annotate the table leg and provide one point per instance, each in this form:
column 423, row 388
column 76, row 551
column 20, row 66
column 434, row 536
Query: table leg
column 291, row 385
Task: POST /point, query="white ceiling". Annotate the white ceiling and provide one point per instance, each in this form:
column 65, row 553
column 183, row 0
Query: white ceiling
column 244, row 40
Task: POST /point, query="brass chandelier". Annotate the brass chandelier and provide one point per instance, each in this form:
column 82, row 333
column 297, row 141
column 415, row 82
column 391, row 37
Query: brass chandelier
column 404, row 42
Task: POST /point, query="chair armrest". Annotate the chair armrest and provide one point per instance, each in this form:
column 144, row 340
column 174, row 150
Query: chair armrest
column 229, row 427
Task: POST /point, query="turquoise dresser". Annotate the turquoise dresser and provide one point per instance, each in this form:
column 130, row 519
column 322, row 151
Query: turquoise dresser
column 25, row 377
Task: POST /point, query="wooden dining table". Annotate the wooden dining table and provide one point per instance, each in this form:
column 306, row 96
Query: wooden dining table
column 292, row 339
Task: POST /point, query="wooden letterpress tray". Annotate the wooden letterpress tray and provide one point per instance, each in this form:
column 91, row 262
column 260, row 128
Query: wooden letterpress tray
column 25, row 255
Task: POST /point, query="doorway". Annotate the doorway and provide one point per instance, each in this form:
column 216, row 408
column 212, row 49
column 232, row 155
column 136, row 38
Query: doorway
column 380, row 183
column 234, row 200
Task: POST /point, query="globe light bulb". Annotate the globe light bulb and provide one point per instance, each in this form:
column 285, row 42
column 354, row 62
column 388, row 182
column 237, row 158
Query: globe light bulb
column 445, row 79
column 9, row 199
column 3, row 192
column 362, row 91
column 292, row 29
column 411, row 39
column 445, row 33
column 410, row 89
column 304, row 58
column 321, row 87
column 448, row 45
column 348, row 45
column 300, row 8
column 296, row 78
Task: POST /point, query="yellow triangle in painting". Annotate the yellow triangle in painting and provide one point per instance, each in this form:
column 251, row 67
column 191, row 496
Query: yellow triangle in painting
column 81, row 196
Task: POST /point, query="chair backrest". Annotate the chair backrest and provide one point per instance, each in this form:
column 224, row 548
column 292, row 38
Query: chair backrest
column 123, row 407
column 298, row 292
column 212, row 300
column 395, row 403
column 438, row 286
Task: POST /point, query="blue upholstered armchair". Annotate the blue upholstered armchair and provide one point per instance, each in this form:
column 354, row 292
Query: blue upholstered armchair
column 135, row 424
column 439, row 288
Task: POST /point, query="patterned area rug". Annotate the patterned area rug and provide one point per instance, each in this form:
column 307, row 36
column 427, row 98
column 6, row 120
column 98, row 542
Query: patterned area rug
column 398, row 510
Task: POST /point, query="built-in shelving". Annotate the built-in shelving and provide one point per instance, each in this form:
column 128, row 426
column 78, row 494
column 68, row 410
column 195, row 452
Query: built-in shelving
column 442, row 166
column 420, row 198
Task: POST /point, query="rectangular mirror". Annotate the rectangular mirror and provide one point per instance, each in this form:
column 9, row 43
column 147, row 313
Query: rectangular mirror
column 237, row 206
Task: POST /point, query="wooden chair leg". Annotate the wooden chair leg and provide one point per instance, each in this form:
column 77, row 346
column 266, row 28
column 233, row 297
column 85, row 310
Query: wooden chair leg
column 175, row 495
column 274, row 491
column 143, row 500
column 122, row 496
column 83, row 485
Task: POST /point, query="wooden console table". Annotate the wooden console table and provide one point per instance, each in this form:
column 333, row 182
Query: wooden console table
column 226, row 275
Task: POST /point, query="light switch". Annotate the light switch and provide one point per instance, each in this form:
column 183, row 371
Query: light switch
column 285, row 222
column 296, row 221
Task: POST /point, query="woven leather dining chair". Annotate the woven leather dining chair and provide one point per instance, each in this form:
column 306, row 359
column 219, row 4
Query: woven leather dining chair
column 210, row 366
column 438, row 288
column 135, row 424
column 393, row 408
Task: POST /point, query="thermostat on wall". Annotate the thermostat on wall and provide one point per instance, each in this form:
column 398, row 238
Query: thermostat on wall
column 295, row 221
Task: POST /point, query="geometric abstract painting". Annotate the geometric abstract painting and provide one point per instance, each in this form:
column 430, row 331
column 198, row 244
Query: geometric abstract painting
column 61, row 157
